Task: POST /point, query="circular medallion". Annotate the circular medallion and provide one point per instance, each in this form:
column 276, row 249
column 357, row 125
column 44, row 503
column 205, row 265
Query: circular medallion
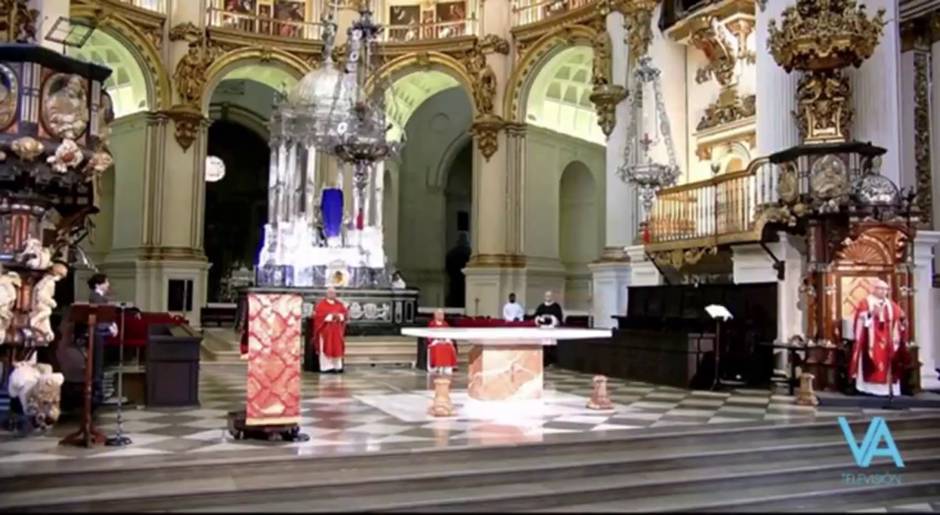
column 9, row 96
column 788, row 184
column 355, row 310
column 829, row 178
column 877, row 190
column 64, row 112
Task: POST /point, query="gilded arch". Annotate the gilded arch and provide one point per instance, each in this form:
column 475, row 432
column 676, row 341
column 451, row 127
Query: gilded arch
column 535, row 58
column 410, row 63
column 248, row 56
column 141, row 47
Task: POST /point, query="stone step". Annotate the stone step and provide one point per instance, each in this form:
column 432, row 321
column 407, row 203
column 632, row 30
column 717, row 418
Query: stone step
column 659, row 469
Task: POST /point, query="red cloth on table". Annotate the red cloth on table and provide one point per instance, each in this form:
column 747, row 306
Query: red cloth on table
column 441, row 352
column 331, row 333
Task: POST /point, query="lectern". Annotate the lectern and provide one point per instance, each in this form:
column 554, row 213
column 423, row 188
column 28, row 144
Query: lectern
column 92, row 314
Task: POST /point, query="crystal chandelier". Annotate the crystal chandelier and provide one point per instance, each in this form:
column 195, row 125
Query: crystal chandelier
column 648, row 129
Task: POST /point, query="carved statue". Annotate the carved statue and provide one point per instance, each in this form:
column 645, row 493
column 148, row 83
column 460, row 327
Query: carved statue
column 7, row 103
column 65, row 106
column 10, row 283
column 39, row 390
column 44, row 301
column 34, row 255
column 602, row 56
column 484, row 88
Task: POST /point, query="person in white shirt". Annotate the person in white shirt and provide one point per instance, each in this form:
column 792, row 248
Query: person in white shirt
column 512, row 311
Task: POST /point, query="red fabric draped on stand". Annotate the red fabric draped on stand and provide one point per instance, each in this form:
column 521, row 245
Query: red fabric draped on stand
column 441, row 353
column 330, row 334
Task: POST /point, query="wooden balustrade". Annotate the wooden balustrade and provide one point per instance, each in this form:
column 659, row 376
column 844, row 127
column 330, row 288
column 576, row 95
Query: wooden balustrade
column 525, row 12
column 262, row 25
column 723, row 206
column 427, row 31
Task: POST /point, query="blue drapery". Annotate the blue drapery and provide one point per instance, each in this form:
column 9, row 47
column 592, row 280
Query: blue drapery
column 331, row 206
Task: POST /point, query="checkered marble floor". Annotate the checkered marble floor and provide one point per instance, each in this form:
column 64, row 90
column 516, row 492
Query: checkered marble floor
column 373, row 409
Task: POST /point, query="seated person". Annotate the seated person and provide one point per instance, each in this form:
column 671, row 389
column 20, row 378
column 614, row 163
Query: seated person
column 512, row 311
column 549, row 313
column 442, row 355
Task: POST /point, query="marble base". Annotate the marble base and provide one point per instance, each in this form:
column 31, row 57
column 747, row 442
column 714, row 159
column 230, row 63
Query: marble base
column 511, row 371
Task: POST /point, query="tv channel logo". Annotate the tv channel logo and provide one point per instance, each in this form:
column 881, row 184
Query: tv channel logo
column 871, row 446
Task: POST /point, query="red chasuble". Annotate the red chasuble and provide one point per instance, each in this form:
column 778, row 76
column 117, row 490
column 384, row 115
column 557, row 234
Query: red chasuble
column 879, row 340
column 331, row 333
column 442, row 352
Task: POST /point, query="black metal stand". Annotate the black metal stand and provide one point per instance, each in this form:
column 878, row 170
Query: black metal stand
column 239, row 430
column 119, row 440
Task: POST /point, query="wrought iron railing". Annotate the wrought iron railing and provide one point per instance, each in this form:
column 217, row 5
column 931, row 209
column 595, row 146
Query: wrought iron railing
column 261, row 25
column 151, row 5
column 720, row 207
column 525, row 12
column 427, row 31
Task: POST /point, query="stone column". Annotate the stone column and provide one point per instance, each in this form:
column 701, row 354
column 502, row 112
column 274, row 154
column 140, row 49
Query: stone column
column 935, row 140
column 611, row 273
column 876, row 92
column 776, row 90
column 927, row 308
column 496, row 265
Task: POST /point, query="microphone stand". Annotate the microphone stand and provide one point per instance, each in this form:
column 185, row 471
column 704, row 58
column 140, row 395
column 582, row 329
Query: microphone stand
column 119, row 440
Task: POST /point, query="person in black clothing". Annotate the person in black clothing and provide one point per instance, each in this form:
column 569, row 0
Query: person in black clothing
column 99, row 287
column 549, row 313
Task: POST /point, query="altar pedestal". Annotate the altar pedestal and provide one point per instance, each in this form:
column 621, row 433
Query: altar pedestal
column 506, row 362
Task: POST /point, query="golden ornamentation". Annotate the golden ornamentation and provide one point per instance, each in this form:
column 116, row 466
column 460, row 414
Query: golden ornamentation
column 486, row 131
column 190, row 74
column 922, row 155
column 820, row 37
column 27, row 148
column 17, row 21
column 496, row 260
column 186, row 32
column 721, row 49
column 788, row 185
column 601, row 46
column 724, row 111
column 491, row 43
column 187, row 121
column 829, row 178
column 605, row 99
column 484, row 80
column 679, row 258
column 638, row 20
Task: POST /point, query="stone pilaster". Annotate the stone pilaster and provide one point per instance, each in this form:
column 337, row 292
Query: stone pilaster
column 876, row 95
column 927, row 308
column 776, row 90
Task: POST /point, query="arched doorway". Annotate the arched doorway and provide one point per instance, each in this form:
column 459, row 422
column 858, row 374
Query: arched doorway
column 578, row 240
column 434, row 180
column 236, row 204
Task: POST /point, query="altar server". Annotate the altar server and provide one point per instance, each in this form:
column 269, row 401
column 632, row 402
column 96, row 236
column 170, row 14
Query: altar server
column 513, row 311
column 329, row 326
column 442, row 355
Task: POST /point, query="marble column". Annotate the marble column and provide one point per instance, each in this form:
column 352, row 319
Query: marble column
column 935, row 141
column 876, row 92
column 611, row 273
column 927, row 308
column 776, row 90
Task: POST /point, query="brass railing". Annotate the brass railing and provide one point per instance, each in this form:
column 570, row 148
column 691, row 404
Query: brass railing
column 151, row 5
column 525, row 12
column 720, row 208
column 262, row 25
column 427, row 31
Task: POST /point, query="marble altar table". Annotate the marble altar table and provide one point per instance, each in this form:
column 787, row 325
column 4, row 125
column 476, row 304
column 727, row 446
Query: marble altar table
column 506, row 362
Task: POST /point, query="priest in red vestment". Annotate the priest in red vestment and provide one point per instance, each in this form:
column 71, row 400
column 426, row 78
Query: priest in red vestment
column 442, row 355
column 329, row 330
column 880, row 341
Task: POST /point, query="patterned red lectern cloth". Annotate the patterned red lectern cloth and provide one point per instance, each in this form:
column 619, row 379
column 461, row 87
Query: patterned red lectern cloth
column 274, row 354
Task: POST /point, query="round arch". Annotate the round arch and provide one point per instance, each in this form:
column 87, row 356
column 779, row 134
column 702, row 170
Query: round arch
column 402, row 66
column 522, row 77
column 159, row 89
column 282, row 64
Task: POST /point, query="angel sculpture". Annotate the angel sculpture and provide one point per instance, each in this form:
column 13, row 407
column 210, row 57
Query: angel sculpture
column 34, row 255
column 10, row 283
column 44, row 302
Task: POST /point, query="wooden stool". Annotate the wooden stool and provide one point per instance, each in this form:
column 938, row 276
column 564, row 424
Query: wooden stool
column 599, row 398
column 806, row 396
column 441, row 407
